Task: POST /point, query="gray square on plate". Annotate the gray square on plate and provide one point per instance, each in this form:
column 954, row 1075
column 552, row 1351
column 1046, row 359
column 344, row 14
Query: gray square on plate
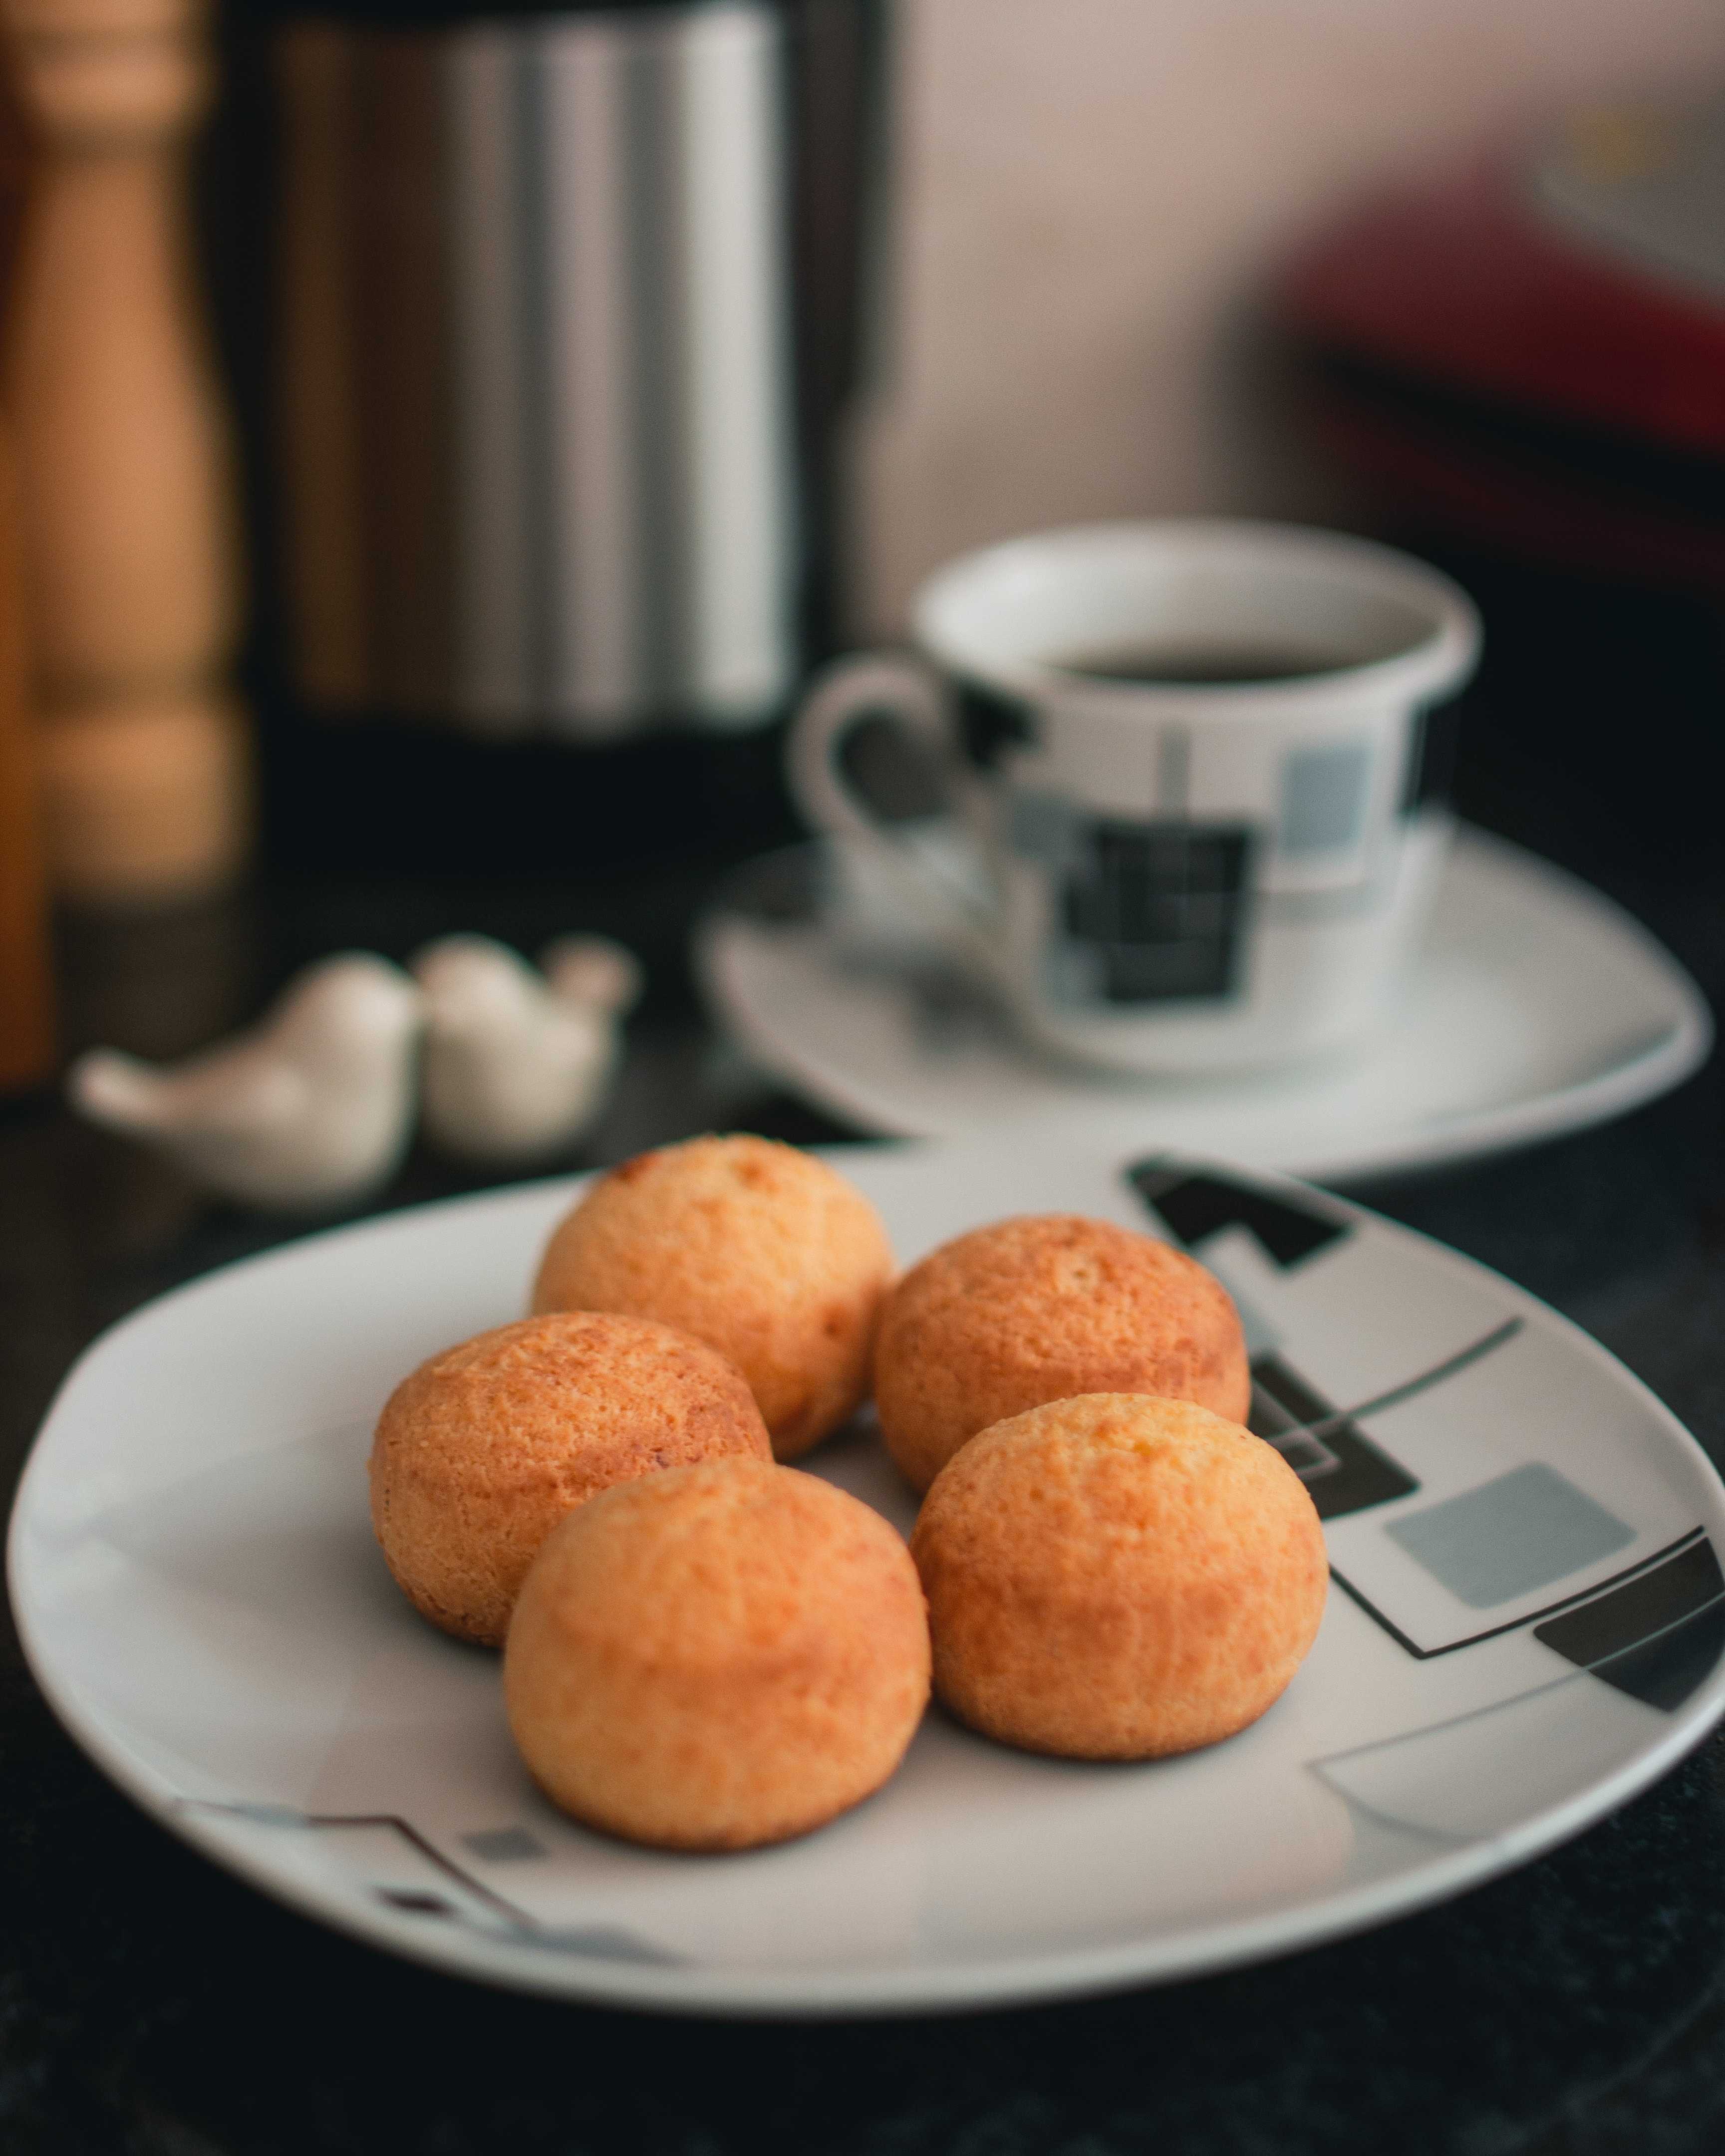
column 505, row 1845
column 1504, row 1539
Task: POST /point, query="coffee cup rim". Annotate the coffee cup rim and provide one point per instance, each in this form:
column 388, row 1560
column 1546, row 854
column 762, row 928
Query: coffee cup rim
column 1438, row 661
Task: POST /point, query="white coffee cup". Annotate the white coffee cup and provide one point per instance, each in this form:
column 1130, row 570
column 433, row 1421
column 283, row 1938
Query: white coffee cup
column 1198, row 765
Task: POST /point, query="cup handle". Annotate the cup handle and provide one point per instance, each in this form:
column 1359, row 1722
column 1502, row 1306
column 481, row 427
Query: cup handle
column 854, row 689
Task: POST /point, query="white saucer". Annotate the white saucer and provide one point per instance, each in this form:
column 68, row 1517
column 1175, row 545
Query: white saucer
column 1538, row 1007
column 1526, row 1629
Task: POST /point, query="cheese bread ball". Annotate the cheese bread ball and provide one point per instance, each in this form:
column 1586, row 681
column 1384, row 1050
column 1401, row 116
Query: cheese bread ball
column 717, row 1657
column 1118, row 1577
column 484, row 1448
column 763, row 1251
column 1043, row 1307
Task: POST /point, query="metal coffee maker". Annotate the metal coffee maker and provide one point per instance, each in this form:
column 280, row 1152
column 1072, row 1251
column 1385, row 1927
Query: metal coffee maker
column 567, row 311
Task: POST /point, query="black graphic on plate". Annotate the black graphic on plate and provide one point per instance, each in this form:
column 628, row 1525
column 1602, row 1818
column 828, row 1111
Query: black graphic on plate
column 1290, row 1413
column 1339, row 1465
column 604, row 1941
column 1657, row 1636
column 420, row 1902
column 1198, row 1206
column 1534, row 1617
column 989, row 724
column 1159, row 907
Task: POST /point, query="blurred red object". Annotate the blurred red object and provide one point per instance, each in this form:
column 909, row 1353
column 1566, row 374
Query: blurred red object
column 1534, row 355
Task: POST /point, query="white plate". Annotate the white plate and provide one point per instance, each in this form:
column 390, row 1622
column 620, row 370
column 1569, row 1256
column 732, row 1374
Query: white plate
column 200, row 1597
column 1537, row 1007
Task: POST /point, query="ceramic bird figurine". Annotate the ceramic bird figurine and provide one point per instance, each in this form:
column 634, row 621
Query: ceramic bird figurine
column 308, row 1112
column 591, row 972
column 518, row 1063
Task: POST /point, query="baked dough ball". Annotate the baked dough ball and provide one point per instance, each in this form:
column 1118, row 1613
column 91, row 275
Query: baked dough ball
column 717, row 1657
column 1043, row 1307
column 763, row 1251
column 484, row 1448
column 1118, row 1577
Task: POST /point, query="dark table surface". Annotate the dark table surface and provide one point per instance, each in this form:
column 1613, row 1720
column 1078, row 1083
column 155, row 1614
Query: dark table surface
column 150, row 2003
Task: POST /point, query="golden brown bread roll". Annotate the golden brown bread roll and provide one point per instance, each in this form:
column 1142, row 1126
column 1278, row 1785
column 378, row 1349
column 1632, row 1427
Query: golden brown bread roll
column 1043, row 1307
column 763, row 1251
column 483, row 1449
column 1117, row 1577
column 716, row 1657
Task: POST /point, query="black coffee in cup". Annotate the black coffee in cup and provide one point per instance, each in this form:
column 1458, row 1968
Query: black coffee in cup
column 1171, row 666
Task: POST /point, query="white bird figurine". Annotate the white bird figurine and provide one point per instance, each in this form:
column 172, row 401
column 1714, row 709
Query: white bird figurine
column 518, row 1063
column 308, row 1112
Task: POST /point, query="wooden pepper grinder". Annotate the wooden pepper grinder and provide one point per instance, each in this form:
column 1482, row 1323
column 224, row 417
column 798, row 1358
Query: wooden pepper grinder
column 27, row 1013
column 27, row 1024
column 129, row 525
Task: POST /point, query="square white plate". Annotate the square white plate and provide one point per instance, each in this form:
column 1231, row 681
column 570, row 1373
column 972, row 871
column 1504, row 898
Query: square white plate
column 1526, row 1628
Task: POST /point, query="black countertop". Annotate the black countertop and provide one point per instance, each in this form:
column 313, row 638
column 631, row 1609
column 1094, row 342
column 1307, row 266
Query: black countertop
column 149, row 2003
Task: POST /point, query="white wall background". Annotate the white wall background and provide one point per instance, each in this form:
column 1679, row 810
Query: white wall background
column 1087, row 195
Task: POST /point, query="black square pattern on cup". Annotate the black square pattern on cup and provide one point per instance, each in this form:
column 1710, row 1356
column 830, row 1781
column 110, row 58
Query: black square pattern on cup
column 1160, row 906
